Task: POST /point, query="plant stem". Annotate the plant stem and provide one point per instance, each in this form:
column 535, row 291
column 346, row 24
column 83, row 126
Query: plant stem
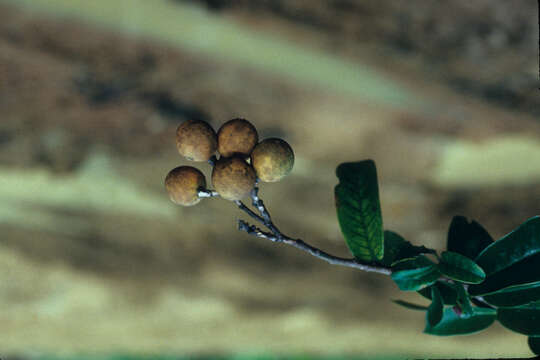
column 300, row 244
column 205, row 193
column 275, row 235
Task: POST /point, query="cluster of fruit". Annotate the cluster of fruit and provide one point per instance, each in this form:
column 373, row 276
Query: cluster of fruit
column 243, row 160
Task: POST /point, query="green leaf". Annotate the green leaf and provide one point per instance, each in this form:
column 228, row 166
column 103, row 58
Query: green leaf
column 479, row 303
column 460, row 268
column 514, row 295
column 414, row 274
column 448, row 293
column 416, row 262
column 523, row 319
column 463, row 299
column 410, row 305
column 534, row 344
column 453, row 324
column 435, row 310
column 397, row 248
column 523, row 272
column 512, row 248
column 359, row 210
column 467, row 239
column 413, row 280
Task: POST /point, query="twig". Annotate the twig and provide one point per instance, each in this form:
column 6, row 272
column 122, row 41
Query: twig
column 299, row 244
column 248, row 211
column 275, row 235
column 259, row 204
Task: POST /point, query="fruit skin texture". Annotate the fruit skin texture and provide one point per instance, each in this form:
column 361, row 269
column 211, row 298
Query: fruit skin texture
column 272, row 159
column 233, row 178
column 237, row 137
column 182, row 184
column 196, row 140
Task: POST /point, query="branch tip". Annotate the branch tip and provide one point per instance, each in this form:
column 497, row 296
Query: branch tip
column 275, row 235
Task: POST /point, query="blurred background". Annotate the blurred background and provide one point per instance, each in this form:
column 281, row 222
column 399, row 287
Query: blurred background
column 95, row 259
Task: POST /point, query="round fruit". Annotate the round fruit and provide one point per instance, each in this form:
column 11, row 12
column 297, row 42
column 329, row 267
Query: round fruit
column 183, row 184
column 237, row 137
column 196, row 140
column 272, row 159
column 233, row 178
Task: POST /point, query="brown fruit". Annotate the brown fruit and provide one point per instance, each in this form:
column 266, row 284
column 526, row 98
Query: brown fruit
column 237, row 137
column 196, row 140
column 233, row 178
column 183, row 184
column 272, row 159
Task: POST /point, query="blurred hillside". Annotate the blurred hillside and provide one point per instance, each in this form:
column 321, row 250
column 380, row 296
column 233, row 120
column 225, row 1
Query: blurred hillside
column 485, row 48
column 91, row 94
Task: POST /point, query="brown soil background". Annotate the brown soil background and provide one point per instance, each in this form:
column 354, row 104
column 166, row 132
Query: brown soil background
column 94, row 257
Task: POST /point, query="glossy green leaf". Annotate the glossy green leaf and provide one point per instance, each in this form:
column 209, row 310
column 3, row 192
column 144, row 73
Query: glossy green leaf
column 416, row 262
column 414, row 274
column 397, row 248
column 359, row 210
column 514, row 295
column 448, row 292
column 460, row 268
column 514, row 247
column 534, row 344
column 453, row 324
column 413, row 280
column 523, row 272
column 435, row 310
column 524, row 319
column 410, row 305
column 463, row 300
column 467, row 238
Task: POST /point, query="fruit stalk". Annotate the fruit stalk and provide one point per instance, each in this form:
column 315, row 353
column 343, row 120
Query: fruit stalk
column 206, row 193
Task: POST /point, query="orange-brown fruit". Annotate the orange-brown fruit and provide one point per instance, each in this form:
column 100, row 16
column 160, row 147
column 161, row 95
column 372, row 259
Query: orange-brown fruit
column 183, row 184
column 237, row 137
column 233, row 178
column 272, row 159
column 196, row 140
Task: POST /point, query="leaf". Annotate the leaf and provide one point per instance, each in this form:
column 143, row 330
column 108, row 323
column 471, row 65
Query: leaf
column 534, row 344
column 512, row 248
column 413, row 274
column 359, row 210
column 523, row 272
column 463, row 299
column 409, row 305
column 435, row 310
column 460, row 268
column 448, row 293
column 523, row 319
column 452, row 324
column 397, row 248
column 416, row 262
column 467, row 239
column 393, row 243
column 514, row 295
column 412, row 280
column 480, row 303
